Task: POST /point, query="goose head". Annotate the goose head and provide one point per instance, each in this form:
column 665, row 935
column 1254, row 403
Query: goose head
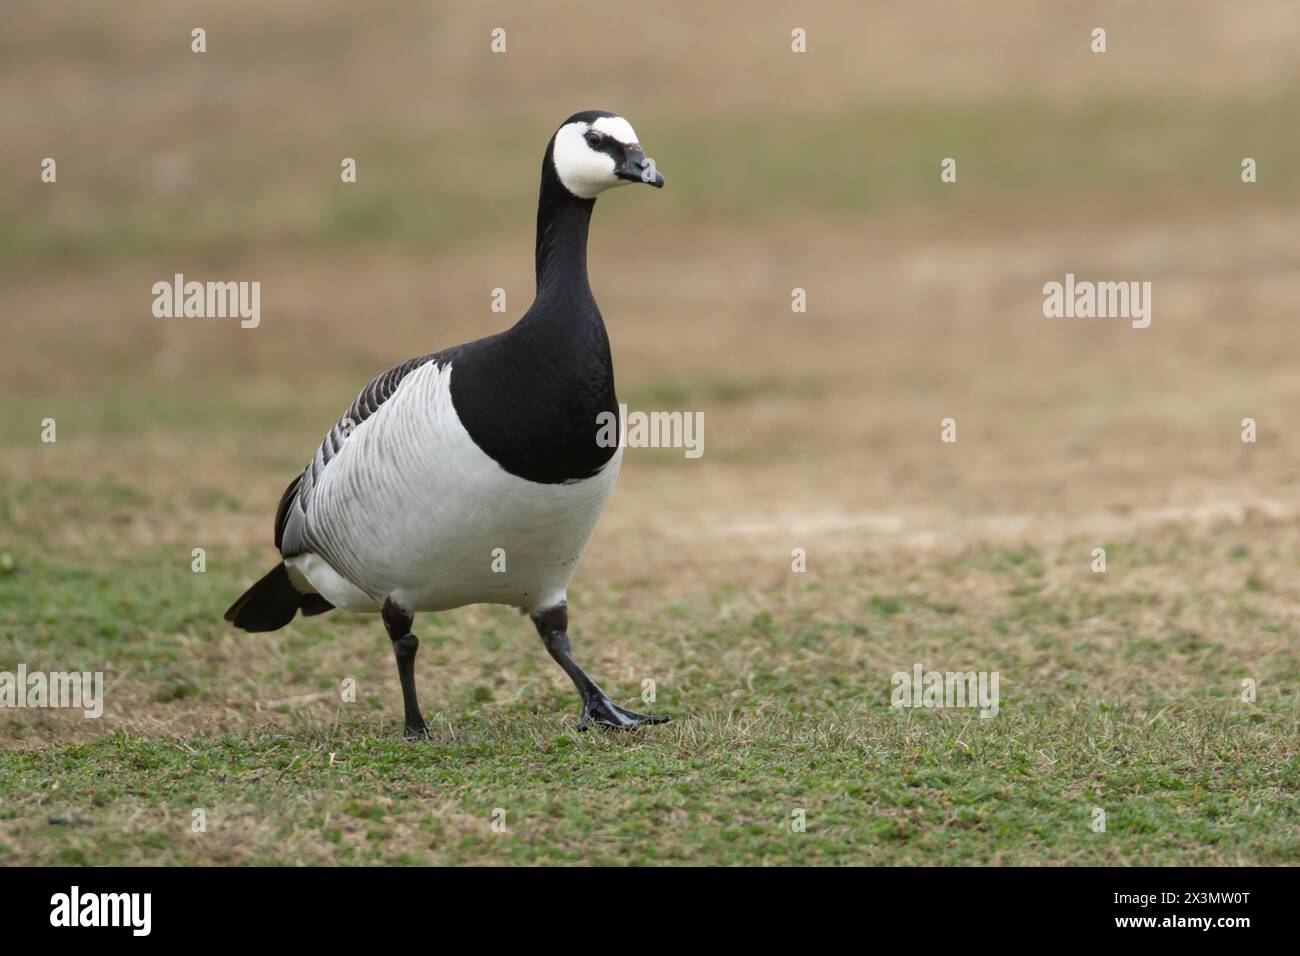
column 594, row 151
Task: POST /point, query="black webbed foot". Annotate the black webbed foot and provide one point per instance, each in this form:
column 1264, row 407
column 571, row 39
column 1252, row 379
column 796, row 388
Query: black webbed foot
column 602, row 712
column 597, row 709
column 418, row 731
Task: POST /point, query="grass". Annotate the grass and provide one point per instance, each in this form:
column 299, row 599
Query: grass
column 1012, row 154
column 781, row 704
column 1185, row 783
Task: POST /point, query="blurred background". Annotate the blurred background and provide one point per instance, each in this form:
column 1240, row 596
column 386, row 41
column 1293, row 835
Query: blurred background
column 817, row 170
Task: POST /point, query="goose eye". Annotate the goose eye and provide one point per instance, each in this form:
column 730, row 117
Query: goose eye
column 593, row 139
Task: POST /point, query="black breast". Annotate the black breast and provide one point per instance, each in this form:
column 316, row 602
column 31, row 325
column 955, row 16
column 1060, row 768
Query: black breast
column 530, row 396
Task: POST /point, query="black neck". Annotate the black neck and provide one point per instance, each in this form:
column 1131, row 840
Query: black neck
column 562, row 223
column 529, row 396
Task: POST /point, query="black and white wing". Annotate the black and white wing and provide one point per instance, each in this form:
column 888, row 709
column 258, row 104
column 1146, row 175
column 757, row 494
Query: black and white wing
column 291, row 515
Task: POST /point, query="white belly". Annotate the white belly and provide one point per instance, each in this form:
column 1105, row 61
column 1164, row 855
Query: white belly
column 411, row 508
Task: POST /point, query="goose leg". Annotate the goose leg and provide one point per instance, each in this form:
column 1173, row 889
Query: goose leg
column 398, row 624
column 553, row 624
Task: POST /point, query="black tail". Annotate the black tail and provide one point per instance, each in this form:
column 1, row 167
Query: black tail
column 272, row 602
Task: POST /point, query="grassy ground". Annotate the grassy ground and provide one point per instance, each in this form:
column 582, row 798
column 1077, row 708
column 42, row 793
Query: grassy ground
column 1121, row 694
column 1120, row 691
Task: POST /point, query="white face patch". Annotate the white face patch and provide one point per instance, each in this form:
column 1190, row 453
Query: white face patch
column 616, row 127
column 584, row 171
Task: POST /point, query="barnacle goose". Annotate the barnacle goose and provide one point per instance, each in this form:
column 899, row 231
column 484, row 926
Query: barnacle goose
column 491, row 444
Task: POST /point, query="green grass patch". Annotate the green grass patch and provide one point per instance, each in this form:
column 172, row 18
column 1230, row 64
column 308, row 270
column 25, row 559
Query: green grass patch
column 801, row 734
